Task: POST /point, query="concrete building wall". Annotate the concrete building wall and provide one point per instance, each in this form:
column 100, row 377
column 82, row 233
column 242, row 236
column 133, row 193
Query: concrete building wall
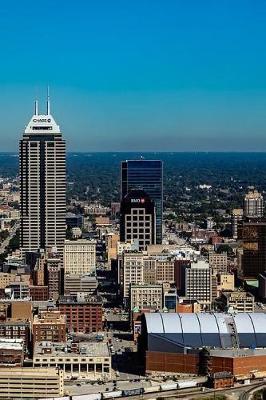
column 19, row 383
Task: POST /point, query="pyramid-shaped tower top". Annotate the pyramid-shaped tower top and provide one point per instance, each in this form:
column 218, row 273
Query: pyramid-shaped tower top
column 42, row 124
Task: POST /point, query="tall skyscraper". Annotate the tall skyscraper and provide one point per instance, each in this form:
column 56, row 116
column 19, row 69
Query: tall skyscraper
column 253, row 204
column 145, row 175
column 137, row 219
column 253, row 237
column 43, row 184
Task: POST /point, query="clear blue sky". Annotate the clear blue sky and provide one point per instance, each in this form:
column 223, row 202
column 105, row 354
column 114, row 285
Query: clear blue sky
column 159, row 75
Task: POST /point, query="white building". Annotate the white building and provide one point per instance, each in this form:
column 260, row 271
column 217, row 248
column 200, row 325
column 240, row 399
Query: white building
column 79, row 256
column 253, row 204
column 132, row 265
column 198, row 283
column 84, row 360
column 145, row 296
column 43, row 184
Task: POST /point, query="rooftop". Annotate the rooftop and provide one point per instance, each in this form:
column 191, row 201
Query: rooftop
column 237, row 294
column 93, row 349
column 212, row 330
column 51, row 317
column 77, row 300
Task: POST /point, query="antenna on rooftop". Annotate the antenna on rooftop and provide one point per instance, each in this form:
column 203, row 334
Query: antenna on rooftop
column 36, row 108
column 48, row 101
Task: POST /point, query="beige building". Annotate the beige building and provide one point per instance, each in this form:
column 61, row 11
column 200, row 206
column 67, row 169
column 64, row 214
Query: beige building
column 49, row 325
column 80, row 283
column 158, row 269
column 237, row 217
column 145, row 296
column 84, row 360
column 112, row 240
column 79, row 256
column 198, row 283
column 165, row 270
column 238, row 301
column 132, row 265
column 225, row 282
column 149, row 270
column 218, row 262
column 253, row 204
column 138, row 267
column 20, row 383
column 8, row 278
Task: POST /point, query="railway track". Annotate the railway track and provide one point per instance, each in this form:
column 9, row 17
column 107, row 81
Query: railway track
column 247, row 395
column 187, row 393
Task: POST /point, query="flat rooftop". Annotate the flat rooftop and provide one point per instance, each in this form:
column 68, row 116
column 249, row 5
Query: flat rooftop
column 93, row 349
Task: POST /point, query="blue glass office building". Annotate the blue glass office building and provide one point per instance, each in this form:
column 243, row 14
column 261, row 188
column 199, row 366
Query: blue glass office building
column 145, row 175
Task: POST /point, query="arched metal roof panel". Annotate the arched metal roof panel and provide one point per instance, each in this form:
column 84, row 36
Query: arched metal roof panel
column 172, row 323
column 191, row 330
column 259, row 323
column 245, row 330
column 209, row 330
column 154, row 323
column 243, row 323
column 190, row 323
column 221, row 322
column 225, row 335
column 208, row 323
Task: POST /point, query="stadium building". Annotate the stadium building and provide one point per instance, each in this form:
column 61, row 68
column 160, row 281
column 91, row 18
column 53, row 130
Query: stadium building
column 204, row 343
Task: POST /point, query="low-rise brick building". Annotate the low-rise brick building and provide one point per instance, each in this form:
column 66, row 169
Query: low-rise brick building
column 83, row 314
column 49, row 326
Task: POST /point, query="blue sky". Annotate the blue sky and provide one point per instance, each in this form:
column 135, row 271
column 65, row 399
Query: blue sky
column 137, row 75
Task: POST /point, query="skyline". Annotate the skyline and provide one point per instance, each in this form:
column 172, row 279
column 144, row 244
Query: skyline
column 137, row 77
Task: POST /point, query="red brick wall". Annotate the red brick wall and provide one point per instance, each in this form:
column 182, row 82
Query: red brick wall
column 83, row 318
column 172, row 362
column 189, row 363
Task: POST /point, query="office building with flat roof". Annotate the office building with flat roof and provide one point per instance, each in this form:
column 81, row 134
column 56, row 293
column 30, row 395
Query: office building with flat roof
column 49, row 326
column 79, row 256
column 83, row 313
column 84, row 360
column 42, row 184
column 138, row 219
column 28, row 383
column 253, row 204
column 145, row 175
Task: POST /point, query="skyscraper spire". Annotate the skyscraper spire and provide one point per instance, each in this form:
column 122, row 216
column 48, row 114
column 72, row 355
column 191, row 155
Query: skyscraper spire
column 36, row 110
column 48, row 101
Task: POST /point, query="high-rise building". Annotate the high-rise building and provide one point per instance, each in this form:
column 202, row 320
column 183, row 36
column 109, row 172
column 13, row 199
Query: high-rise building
column 198, row 285
column 53, row 274
column 237, row 217
column 253, row 204
column 218, row 262
column 145, row 175
column 137, row 219
column 253, row 236
column 43, row 184
column 132, row 270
